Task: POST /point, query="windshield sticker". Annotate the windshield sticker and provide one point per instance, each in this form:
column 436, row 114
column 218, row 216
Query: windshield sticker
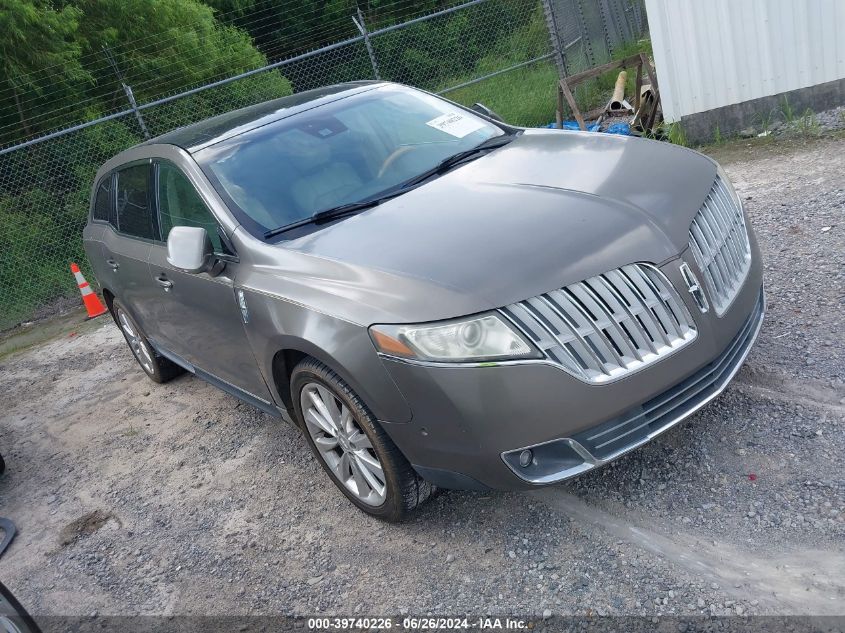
column 456, row 124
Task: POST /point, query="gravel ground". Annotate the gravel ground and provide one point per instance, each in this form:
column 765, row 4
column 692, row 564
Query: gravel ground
column 833, row 119
column 135, row 498
column 806, row 124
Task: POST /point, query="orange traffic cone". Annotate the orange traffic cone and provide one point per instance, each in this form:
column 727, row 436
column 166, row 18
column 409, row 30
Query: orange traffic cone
column 92, row 302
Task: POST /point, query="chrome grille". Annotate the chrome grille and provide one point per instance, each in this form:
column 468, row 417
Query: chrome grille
column 719, row 243
column 607, row 326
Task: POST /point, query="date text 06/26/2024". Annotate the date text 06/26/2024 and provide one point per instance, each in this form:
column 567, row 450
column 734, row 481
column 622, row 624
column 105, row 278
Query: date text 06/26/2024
column 419, row 624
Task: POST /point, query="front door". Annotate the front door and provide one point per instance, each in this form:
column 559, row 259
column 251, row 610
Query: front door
column 200, row 320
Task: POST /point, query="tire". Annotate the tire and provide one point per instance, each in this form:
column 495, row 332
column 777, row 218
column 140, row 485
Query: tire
column 157, row 367
column 360, row 439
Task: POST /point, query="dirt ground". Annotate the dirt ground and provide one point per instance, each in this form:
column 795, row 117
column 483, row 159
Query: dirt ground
column 137, row 498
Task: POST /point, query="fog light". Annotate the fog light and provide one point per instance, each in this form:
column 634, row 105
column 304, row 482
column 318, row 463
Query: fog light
column 526, row 457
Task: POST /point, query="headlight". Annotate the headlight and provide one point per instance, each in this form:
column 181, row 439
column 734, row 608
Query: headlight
column 484, row 337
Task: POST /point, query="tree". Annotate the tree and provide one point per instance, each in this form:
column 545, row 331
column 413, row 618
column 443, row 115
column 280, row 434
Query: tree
column 40, row 63
column 282, row 28
column 54, row 71
column 230, row 10
column 163, row 46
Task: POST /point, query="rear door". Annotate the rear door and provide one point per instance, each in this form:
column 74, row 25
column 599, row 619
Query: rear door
column 92, row 234
column 199, row 317
column 133, row 229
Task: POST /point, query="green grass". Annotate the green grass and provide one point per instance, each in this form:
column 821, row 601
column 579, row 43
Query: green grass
column 808, row 124
column 526, row 96
column 787, row 111
column 23, row 338
column 675, row 134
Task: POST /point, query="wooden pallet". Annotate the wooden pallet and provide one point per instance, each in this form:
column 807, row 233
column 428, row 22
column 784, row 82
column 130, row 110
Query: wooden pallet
column 640, row 62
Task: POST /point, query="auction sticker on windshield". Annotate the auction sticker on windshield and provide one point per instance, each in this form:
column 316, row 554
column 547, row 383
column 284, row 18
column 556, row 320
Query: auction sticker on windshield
column 456, row 124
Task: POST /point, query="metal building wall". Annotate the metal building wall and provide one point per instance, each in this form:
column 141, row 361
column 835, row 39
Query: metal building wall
column 723, row 52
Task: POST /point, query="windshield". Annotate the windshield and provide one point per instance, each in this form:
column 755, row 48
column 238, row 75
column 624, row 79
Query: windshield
column 344, row 152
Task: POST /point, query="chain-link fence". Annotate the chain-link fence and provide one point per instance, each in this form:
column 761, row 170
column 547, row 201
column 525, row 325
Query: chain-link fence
column 591, row 32
column 507, row 54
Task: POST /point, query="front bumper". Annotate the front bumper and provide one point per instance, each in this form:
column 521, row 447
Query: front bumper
column 564, row 458
column 470, row 424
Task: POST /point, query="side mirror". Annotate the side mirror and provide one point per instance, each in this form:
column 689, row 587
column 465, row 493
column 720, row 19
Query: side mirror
column 189, row 249
column 484, row 110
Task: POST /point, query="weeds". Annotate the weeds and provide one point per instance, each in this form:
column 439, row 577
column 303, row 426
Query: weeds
column 675, row 134
column 808, row 124
column 718, row 139
column 787, row 111
column 765, row 120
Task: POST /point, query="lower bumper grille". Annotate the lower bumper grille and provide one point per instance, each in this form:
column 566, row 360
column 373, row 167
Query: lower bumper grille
column 564, row 458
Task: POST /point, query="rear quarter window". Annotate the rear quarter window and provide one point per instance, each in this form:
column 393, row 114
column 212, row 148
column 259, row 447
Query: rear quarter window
column 102, row 201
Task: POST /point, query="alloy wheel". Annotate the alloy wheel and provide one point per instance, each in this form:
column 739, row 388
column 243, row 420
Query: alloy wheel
column 136, row 343
column 342, row 444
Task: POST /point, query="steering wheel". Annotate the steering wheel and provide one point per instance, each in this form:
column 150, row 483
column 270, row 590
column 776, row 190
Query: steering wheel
column 399, row 151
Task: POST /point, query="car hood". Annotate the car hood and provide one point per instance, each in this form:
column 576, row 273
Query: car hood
column 546, row 210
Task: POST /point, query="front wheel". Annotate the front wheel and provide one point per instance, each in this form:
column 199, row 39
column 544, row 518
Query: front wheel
column 352, row 448
column 156, row 366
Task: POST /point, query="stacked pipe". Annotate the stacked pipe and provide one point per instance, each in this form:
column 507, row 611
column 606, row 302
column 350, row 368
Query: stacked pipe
column 646, row 104
column 617, row 102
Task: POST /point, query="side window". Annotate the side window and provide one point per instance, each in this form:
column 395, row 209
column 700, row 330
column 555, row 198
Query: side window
column 102, row 201
column 179, row 204
column 134, row 208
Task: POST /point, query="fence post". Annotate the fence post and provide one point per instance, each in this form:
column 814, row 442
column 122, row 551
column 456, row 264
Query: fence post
column 608, row 23
column 638, row 17
column 554, row 36
column 362, row 27
column 623, row 22
column 128, row 92
column 586, row 36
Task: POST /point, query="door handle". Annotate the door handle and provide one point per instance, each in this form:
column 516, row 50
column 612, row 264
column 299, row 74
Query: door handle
column 164, row 282
column 113, row 264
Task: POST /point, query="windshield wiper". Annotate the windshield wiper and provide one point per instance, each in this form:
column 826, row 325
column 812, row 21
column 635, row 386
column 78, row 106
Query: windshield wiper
column 447, row 163
column 354, row 207
column 336, row 212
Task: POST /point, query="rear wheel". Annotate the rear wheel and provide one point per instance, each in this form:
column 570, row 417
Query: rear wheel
column 352, row 448
column 157, row 367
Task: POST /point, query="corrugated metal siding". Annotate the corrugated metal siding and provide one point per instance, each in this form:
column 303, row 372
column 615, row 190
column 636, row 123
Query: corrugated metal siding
column 720, row 52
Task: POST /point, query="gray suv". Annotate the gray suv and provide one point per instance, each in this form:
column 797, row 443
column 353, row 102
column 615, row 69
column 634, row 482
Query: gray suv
column 435, row 298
